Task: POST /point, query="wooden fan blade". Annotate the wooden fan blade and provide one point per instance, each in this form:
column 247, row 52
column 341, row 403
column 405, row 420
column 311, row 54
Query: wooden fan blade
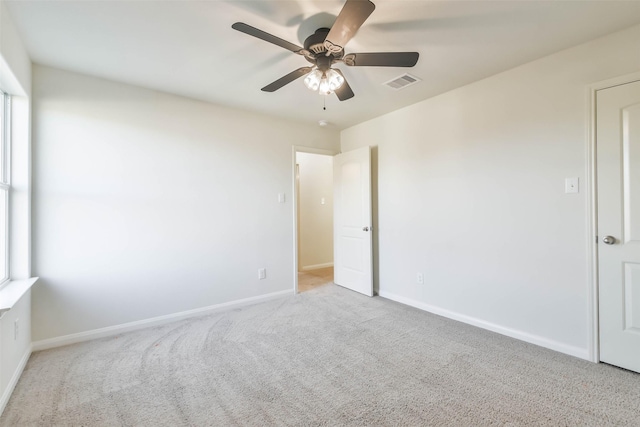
column 285, row 80
column 382, row 59
column 344, row 92
column 252, row 31
column 350, row 19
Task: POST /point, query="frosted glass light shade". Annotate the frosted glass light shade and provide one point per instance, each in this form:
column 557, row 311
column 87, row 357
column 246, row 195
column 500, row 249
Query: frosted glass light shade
column 312, row 81
column 324, row 82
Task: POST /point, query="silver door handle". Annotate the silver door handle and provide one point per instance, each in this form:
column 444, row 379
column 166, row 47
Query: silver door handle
column 365, row 228
column 609, row 240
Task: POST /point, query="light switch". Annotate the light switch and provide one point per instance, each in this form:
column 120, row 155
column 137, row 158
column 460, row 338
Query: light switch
column 571, row 185
column 322, row 201
column 280, row 197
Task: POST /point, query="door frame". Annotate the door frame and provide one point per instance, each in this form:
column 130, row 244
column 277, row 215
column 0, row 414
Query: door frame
column 592, row 214
column 294, row 191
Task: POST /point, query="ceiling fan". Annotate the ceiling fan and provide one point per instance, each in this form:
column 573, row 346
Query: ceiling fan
column 325, row 48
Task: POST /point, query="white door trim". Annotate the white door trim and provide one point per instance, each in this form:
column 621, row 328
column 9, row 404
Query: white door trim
column 294, row 191
column 592, row 214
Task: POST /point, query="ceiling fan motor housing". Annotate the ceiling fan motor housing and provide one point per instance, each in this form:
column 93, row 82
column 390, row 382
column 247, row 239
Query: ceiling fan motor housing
column 314, row 44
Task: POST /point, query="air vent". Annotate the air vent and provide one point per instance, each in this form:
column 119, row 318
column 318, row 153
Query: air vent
column 402, row 81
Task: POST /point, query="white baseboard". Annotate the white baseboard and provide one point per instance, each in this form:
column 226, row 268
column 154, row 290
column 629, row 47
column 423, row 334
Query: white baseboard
column 154, row 321
column 6, row 393
column 578, row 352
column 317, row 266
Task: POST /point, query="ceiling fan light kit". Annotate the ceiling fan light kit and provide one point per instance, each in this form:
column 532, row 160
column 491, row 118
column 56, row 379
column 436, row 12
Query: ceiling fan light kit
column 325, row 48
column 324, row 82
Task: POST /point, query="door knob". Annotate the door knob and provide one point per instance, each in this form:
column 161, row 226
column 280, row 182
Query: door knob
column 609, row 240
column 365, row 228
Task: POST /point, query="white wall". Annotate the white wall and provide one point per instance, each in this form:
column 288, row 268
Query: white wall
column 15, row 65
column 316, row 219
column 148, row 204
column 471, row 193
column 14, row 351
column 15, row 79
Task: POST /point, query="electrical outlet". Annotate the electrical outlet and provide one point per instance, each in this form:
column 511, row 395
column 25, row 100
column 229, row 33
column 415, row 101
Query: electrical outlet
column 420, row 278
column 15, row 330
column 262, row 273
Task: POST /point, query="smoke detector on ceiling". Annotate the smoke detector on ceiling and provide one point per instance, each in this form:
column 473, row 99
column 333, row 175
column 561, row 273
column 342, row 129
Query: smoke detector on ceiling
column 402, row 81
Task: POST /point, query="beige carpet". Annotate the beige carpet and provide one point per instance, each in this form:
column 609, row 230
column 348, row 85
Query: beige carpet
column 327, row 357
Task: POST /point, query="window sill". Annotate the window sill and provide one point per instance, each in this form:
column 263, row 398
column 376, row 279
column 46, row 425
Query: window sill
column 11, row 294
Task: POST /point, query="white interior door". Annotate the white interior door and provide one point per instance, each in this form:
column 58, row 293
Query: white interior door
column 352, row 232
column 618, row 167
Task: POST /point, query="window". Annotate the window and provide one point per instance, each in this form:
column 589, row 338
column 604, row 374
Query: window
column 5, row 188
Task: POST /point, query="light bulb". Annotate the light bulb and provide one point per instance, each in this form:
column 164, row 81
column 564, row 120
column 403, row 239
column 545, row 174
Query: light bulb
column 325, row 87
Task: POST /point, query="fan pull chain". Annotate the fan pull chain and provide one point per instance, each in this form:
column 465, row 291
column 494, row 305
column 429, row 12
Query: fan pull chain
column 324, row 102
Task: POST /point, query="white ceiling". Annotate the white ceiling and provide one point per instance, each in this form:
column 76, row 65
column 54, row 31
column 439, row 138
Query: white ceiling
column 188, row 47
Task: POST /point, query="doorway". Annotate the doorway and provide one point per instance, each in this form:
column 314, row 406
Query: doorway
column 314, row 222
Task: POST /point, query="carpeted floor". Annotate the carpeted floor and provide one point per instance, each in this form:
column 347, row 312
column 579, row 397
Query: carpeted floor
column 327, row 357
